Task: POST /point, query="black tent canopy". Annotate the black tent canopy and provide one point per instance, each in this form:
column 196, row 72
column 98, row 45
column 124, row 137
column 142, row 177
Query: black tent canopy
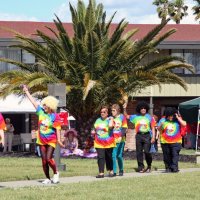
column 190, row 112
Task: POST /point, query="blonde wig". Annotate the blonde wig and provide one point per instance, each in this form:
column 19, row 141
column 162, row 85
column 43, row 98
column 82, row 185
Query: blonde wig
column 50, row 102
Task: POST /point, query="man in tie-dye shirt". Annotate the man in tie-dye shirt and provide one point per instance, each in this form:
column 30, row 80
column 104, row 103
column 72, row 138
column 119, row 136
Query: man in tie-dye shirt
column 170, row 127
column 144, row 125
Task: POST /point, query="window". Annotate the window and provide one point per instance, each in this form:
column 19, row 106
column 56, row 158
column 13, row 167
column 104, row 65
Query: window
column 13, row 54
column 192, row 56
column 178, row 53
column 28, row 58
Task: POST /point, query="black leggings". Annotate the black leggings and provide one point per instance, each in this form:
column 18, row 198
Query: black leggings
column 104, row 156
column 47, row 159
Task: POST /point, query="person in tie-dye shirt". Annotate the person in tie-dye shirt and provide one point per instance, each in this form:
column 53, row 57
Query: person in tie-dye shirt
column 104, row 142
column 119, row 131
column 48, row 135
column 170, row 127
column 144, row 125
column 2, row 129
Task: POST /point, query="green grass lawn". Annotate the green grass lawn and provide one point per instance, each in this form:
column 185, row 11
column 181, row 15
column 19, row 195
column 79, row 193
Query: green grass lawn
column 12, row 168
column 166, row 186
column 184, row 151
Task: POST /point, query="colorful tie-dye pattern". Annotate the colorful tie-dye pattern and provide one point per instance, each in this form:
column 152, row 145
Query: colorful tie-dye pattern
column 170, row 131
column 104, row 137
column 142, row 123
column 2, row 123
column 47, row 123
column 119, row 123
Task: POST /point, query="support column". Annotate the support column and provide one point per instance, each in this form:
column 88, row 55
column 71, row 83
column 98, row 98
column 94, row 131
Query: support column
column 151, row 101
column 27, row 123
column 58, row 91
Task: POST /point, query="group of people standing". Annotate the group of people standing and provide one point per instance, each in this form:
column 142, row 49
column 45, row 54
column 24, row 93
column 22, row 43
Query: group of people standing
column 109, row 138
column 109, row 134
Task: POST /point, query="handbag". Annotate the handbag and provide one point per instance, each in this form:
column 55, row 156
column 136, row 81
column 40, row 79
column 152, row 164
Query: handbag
column 152, row 149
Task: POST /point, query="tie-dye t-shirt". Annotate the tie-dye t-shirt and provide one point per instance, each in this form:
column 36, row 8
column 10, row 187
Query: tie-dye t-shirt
column 142, row 123
column 170, row 131
column 2, row 127
column 119, row 123
column 104, row 137
column 48, row 124
column 2, row 123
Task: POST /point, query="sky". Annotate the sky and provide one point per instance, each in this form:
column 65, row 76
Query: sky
column 134, row 11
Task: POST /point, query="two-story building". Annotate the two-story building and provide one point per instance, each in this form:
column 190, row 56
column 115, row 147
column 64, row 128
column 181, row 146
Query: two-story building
column 185, row 43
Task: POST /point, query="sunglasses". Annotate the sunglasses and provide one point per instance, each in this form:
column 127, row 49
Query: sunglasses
column 103, row 112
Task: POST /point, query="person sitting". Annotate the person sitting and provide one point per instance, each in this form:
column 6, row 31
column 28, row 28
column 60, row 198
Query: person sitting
column 89, row 151
column 71, row 144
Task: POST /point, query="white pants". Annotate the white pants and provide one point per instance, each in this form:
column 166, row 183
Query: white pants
column 8, row 137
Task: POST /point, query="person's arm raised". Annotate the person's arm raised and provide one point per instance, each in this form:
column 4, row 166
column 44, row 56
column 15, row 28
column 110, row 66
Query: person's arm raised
column 125, row 112
column 32, row 100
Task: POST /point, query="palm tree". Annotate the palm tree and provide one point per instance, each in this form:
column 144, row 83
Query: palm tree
column 99, row 66
column 175, row 10
column 163, row 7
column 196, row 10
column 179, row 10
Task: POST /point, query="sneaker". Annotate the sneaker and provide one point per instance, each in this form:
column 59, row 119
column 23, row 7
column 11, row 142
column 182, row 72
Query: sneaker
column 46, row 181
column 55, row 178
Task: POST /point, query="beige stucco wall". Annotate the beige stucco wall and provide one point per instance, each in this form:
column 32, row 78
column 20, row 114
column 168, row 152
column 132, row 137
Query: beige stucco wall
column 173, row 90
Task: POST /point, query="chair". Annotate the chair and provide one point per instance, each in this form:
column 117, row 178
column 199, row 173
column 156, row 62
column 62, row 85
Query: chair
column 26, row 141
column 16, row 142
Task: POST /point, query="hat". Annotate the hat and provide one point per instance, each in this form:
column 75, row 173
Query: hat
column 72, row 130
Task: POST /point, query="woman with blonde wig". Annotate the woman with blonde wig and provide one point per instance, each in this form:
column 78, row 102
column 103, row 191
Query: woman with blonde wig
column 49, row 126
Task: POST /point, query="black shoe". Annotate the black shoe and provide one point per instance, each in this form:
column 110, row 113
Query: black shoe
column 121, row 173
column 148, row 170
column 111, row 175
column 100, row 176
column 141, row 170
column 175, row 170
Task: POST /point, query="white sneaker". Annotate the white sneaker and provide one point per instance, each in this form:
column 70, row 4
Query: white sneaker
column 46, row 181
column 55, row 178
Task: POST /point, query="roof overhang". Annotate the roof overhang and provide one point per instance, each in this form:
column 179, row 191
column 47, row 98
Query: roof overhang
column 179, row 45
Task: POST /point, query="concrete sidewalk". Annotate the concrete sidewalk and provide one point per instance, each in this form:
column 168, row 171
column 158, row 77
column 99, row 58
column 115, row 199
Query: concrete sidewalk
column 78, row 179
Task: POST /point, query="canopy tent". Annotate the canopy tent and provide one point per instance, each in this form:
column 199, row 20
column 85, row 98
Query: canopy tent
column 15, row 104
column 190, row 112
